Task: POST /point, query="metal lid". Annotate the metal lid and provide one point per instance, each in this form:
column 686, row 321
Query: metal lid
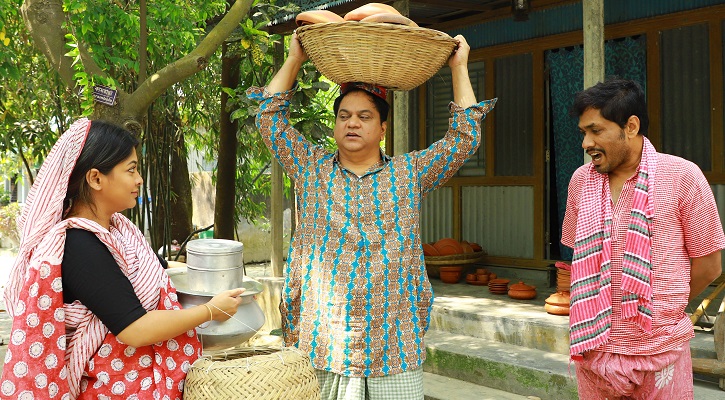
column 214, row 246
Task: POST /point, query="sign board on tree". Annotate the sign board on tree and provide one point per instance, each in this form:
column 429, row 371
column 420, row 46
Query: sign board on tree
column 104, row 95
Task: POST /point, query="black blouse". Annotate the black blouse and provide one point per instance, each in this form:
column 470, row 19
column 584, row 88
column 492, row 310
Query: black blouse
column 91, row 275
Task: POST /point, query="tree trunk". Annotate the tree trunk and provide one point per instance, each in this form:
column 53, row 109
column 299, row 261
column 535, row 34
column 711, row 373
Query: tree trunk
column 227, row 160
column 158, row 144
column 181, row 204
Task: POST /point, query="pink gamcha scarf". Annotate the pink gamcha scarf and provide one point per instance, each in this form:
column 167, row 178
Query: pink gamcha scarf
column 63, row 351
column 591, row 276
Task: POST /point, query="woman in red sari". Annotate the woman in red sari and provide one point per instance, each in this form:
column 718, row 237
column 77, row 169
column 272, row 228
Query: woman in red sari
column 94, row 313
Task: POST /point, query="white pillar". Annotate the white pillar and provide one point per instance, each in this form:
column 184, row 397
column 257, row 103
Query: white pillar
column 593, row 41
column 593, row 18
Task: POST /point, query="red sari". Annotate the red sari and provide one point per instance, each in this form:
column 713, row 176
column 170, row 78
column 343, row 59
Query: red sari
column 63, row 351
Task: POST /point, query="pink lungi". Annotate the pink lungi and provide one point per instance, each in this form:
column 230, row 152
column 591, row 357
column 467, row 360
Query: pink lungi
column 664, row 376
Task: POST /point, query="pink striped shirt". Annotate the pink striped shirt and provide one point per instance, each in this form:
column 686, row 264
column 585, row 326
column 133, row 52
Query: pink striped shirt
column 685, row 225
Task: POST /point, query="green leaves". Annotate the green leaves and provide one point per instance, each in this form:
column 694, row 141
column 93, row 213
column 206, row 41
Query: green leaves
column 35, row 106
column 33, row 103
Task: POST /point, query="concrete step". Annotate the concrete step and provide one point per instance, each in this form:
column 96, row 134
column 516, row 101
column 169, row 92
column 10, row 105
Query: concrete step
column 707, row 391
column 514, row 369
column 473, row 311
column 437, row 387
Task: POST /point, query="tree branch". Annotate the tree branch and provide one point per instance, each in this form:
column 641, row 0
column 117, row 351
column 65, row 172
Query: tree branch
column 27, row 167
column 190, row 64
column 44, row 19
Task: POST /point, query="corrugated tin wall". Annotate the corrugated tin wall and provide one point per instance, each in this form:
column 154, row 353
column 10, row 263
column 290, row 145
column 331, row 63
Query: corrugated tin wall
column 499, row 218
column 436, row 220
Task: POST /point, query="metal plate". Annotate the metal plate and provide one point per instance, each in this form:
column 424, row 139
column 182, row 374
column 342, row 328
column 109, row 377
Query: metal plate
column 179, row 277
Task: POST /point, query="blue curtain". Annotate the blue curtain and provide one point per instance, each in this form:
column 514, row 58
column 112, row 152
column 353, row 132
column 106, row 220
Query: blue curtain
column 625, row 58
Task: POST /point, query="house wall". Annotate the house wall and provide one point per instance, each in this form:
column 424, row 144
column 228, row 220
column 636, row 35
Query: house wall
column 510, row 214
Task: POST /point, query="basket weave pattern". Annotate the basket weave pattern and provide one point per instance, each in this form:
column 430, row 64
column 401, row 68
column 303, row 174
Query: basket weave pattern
column 253, row 374
column 394, row 56
column 433, row 263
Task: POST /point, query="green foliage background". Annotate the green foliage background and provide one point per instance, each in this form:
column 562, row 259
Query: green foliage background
column 35, row 106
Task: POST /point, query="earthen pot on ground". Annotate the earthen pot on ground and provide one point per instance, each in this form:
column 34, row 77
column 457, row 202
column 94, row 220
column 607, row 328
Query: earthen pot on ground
column 522, row 291
column 450, row 274
column 558, row 303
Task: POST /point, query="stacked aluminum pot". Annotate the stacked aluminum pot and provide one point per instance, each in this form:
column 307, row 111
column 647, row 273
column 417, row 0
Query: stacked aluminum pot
column 215, row 265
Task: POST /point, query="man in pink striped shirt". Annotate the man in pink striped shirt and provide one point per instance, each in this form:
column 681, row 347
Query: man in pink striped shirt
column 647, row 238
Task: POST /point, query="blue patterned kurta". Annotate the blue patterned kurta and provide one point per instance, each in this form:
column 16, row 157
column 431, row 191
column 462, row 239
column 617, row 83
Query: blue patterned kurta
column 357, row 297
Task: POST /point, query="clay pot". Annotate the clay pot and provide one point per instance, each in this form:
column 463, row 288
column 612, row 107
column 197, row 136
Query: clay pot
column 559, row 299
column 556, row 310
column 481, row 271
column 492, row 276
column 450, row 274
column 498, row 286
column 558, row 303
column 448, row 247
column 429, row 250
column 563, row 280
column 471, row 277
column 482, row 277
column 522, row 291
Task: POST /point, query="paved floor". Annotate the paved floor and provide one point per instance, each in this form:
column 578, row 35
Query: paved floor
column 462, row 291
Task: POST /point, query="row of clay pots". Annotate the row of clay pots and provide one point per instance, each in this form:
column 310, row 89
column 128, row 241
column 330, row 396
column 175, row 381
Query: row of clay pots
column 556, row 304
column 480, row 277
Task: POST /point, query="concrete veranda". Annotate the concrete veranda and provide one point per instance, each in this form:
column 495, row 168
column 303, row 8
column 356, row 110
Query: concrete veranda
column 478, row 319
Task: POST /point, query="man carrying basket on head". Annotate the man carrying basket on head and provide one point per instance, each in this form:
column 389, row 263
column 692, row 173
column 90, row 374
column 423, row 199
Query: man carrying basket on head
column 357, row 297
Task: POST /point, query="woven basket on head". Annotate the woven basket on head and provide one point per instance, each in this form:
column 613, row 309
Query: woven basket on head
column 260, row 373
column 393, row 56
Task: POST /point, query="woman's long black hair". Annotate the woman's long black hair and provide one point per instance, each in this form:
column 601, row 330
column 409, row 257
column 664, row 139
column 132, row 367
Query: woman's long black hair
column 105, row 147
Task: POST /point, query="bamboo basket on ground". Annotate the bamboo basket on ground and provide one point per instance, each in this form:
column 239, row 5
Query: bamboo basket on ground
column 258, row 373
column 433, row 263
column 397, row 57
